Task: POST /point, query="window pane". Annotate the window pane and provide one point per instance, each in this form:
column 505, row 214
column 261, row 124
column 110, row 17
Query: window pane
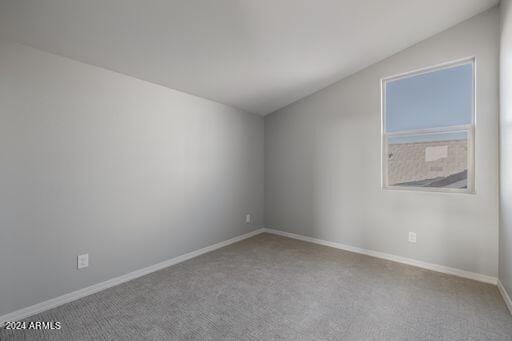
column 435, row 99
column 431, row 160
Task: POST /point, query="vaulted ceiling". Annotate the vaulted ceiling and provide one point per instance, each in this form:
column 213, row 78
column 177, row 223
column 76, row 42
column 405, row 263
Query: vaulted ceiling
column 256, row 55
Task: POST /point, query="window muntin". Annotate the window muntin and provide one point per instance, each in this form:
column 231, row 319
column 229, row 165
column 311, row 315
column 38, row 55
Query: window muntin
column 428, row 129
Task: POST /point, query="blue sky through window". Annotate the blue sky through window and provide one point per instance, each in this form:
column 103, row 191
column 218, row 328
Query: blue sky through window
column 435, row 99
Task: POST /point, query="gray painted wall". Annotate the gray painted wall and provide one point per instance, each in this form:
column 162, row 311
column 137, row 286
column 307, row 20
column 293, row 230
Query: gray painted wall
column 131, row 172
column 506, row 146
column 323, row 163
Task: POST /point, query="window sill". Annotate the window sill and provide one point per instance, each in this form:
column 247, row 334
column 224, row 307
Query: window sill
column 429, row 189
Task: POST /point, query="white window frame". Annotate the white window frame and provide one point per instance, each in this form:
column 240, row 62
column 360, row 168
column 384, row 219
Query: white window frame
column 469, row 129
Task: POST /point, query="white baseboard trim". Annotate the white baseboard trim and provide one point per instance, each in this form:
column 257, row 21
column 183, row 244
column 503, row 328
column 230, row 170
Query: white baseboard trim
column 394, row 258
column 505, row 296
column 72, row 296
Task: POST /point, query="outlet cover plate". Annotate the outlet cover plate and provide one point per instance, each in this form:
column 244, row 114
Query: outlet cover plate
column 412, row 237
column 83, row 261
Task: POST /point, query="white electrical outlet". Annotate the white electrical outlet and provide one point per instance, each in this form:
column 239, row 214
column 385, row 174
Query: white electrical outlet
column 412, row 237
column 248, row 218
column 82, row 261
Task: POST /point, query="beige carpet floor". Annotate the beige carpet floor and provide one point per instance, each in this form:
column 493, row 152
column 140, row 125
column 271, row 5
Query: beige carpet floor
column 274, row 288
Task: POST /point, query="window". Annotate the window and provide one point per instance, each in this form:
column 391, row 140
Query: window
column 428, row 129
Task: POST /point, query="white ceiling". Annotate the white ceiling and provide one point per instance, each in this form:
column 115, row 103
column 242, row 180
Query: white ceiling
column 257, row 55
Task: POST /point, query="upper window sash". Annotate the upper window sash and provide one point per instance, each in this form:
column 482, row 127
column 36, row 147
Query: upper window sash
column 448, row 97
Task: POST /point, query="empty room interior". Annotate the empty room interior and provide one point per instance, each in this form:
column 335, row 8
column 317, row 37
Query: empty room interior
column 255, row 170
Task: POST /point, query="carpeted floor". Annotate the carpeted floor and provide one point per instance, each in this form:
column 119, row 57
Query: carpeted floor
column 270, row 287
